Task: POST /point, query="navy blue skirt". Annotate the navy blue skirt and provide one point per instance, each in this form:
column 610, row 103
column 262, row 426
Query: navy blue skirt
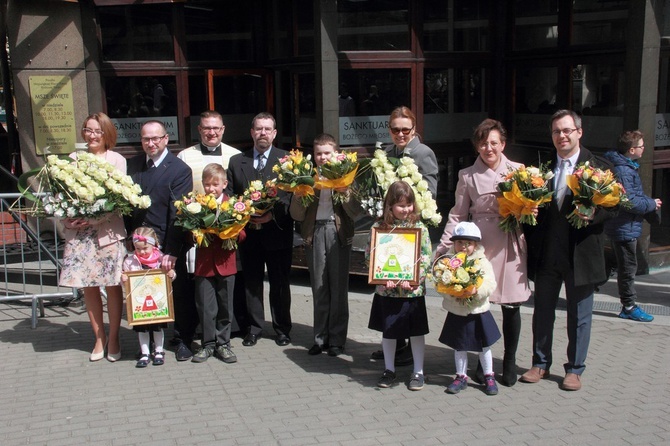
column 470, row 333
column 399, row 317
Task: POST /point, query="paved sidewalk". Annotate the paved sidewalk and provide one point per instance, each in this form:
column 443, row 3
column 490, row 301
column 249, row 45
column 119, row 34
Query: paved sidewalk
column 52, row 395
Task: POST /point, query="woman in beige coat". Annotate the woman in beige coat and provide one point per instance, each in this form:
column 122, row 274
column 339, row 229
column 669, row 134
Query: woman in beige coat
column 476, row 200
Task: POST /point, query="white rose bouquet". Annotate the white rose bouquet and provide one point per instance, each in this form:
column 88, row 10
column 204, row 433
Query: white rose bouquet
column 376, row 174
column 87, row 187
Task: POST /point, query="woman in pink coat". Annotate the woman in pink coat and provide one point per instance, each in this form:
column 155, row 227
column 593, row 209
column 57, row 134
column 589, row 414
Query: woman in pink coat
column 476, row 200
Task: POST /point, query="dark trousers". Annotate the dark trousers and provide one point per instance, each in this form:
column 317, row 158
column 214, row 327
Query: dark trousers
column 626, row 259
column 548, row 283
column 214, row 300
column 185, row 312
column 278, row 263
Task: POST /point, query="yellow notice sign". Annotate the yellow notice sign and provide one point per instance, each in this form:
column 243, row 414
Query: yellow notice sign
column 53, row 114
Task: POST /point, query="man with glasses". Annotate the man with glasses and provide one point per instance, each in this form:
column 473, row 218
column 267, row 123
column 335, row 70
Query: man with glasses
column 210, row 149
column 165, row 178
column 559, row 253
column 269, row 241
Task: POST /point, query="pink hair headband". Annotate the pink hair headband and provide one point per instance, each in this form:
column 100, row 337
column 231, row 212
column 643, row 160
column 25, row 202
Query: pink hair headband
column 142, row 238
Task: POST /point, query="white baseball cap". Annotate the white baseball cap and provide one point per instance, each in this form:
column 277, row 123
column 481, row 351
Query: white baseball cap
column 466, row 230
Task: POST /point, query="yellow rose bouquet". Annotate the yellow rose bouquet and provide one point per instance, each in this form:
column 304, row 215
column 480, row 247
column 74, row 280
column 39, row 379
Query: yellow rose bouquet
column 295, row 174
column 209, row 220
column 523, row 189
column 86, row 187
column 336, row 173
column 457, row 275
column 261, row 196
column 593, row 188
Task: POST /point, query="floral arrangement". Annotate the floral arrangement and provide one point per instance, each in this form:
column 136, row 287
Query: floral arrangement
column 378, row 173
column 207, row 219
column 457, row 275
column 522, row 190
column 262, row 196
column 295, row 173
column 86, row 187
column 338, row 172
column 592, row 188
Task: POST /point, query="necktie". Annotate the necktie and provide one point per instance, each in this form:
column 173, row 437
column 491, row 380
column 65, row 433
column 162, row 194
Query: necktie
column 561, row 187
column 150, row 164
column 261, row 163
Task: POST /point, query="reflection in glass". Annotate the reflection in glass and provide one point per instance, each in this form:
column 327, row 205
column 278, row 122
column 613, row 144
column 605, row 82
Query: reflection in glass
column 381, row 25
column 141, row 96
column 128, row 35
column 373, row 92
column 208, row 39
column 536, row 24
column 598, row 90
column 468, row 32
column 595, row 21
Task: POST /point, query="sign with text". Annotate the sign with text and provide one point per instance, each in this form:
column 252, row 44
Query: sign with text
column 662, row 136
column 53, row 114
column 364, row 130
column 128, row 129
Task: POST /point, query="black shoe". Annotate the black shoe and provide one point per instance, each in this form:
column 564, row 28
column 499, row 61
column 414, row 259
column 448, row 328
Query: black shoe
column 159, row 358
column 336, row 350
column 379, row 354
column 251, row 339
column 509, row 377
column 400, row 347
column 282, row 340
column 142, row 362
column 183, row 353
column 317, row 349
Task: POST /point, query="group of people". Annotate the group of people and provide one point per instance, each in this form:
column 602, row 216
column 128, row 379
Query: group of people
column 222, row 290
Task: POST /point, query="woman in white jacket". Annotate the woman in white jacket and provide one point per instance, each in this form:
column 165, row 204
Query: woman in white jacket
column 469, row 325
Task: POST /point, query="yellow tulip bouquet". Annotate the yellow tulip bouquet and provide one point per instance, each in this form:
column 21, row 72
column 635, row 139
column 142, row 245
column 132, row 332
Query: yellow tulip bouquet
column 209, row 220
column 522, row 190
column 593, row 188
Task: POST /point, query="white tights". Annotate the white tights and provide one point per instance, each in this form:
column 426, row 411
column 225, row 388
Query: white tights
column 418, row 344
column 485, row 358
column 145, row 337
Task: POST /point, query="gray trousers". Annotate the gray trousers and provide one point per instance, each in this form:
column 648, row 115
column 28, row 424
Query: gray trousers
column 328, row 264
column 214, row 300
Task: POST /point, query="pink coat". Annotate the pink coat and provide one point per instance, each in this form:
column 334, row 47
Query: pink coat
column 476, row 195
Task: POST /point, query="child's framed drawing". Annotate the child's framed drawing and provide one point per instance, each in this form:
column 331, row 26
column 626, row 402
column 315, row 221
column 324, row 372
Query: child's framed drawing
column 148, row 297
column 395, row 255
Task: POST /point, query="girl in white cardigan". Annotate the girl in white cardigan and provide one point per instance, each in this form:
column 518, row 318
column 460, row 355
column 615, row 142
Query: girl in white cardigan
column 469, row 325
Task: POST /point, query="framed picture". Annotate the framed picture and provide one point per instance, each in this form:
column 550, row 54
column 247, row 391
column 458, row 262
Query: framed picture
column 395, row 255
column 148, row 297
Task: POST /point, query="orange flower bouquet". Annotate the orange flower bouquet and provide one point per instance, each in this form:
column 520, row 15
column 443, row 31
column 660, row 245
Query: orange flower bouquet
column 338, row 172
column 593, row 188
column 457, row 275
column 295, row 173
column 522, row 190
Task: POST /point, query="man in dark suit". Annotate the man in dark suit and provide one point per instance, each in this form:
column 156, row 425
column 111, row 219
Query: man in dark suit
column 269, row 246
column 165, row 178
column 560, row 253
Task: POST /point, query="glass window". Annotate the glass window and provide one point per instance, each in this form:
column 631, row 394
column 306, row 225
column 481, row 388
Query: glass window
column 536, row 24
column 128, row 35
column 535, row 102
column 280, row 45
column 469, row 30
column 453, row 103
column 366, row 100
column 596, row 21
column 379, row 25
column 141, row 96
column 305, row 17
column 219, row 31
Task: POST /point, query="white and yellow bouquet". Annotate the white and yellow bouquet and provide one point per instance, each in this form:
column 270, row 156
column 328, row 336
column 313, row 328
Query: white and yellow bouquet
column 378, row 173
column 208, row 220
column 261, row 196
column 523, row 189
column 593, row 188
column 295, row 174
column 338, row 172
column 457, row 275
column 86, row 187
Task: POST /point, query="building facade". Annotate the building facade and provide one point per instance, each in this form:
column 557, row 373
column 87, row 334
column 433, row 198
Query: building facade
column 341, row 66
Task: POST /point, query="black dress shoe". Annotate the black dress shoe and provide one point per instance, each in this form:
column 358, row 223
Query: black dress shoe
column 250, row 340
column 282, row 340
column 316, row 349
column 183, row 353
column 336, row 350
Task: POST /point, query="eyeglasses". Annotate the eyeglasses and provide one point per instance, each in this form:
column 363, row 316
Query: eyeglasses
column 155, row 139
column 211, row 129
column 565, row 132
column 404, row 131
column 95, row 132
column 494, row 145
column 638, row 147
